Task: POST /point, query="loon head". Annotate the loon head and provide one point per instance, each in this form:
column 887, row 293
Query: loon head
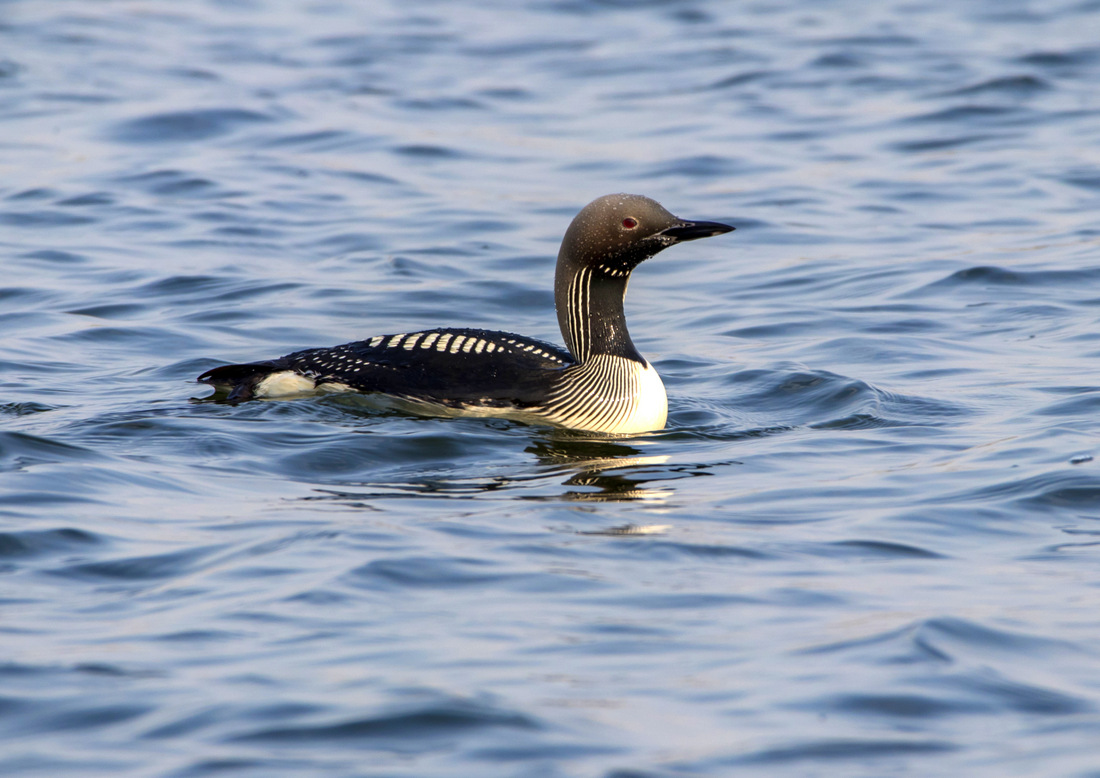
column 613, row 234
column 609, row 238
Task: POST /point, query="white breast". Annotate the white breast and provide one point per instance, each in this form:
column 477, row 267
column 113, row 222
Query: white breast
column 651, row 407
column 609, row 394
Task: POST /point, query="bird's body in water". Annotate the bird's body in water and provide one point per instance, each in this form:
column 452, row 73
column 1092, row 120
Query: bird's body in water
column 599, row 383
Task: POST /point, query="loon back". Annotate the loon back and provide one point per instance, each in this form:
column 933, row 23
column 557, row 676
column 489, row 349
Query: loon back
column 600, row 384
column 454, row 367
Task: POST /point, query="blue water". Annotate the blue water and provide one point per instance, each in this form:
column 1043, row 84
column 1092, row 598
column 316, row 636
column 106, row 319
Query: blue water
column 867, row 544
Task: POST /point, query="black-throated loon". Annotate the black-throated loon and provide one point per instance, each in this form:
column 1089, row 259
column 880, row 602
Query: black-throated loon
column 601, row 384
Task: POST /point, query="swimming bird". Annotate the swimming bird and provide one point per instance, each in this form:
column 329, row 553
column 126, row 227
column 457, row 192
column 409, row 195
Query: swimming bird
column 600, row 384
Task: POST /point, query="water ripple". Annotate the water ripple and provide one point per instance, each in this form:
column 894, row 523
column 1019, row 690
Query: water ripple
column 185, row 126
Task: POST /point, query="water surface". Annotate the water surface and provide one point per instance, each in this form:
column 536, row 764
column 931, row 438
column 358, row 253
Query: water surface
column 866, row 544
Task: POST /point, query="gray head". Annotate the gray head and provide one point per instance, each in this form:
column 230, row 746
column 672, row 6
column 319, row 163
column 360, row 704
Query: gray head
column 611, row 236
column 614, row 233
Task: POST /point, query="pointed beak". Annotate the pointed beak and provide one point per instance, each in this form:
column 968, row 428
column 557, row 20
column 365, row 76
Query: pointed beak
column 695, row 230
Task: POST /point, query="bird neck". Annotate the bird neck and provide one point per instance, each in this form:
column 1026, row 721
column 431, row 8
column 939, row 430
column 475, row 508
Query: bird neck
column 590, row 312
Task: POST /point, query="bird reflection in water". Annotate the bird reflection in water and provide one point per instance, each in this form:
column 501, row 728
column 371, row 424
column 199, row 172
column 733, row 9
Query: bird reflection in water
column 608, row 466
column 597, row 468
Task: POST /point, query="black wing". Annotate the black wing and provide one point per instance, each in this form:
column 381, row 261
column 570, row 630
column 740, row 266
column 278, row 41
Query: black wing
column 453, row 367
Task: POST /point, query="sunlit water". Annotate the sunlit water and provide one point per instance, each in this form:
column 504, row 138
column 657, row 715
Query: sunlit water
column 868, row 542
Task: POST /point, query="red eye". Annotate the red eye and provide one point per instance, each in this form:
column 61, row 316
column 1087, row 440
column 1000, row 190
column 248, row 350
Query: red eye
column 630, row 223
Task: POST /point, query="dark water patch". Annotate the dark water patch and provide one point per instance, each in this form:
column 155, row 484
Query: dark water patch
column 1075, row 491
column 32, row 543
column 78, row 717
column 54, row 256
column 79, row 98
column 193, row 74
column 90, row 199
column 879, row 549
column 186, row 126
column 1063, row 60
column 413, row 730
column 269, row 234
column 510, row 93
column 342, row 458
column 189, row 723
column 1007, row 695
column 937, row 144
column 677, row 601
column 967, row 114
column 35, row 194
column 629, row 629
column 949, row 639
column 904, row 646
column 444, row 573
column 26, row 408
column 925, row 411
column 1065, row 489
column 857, row 421
column 532, row 45
column 140, row 569
column 1085, row 405
column 408, row 267
column 198, row 636
column 1084, row 178
column 661, row 549
column 155, row 337
column 182, row 286
column 699, row 166
column 1013, row 86
column 436, row 104
column 908, row 326
column 901, row 706
column 55, row 765
column 19, row 501
column 907, row 192
column 800, row 396
column 544, row 750
column 172, row 183
column 111, row 311
column 227, row 291
column 20, row 450
column 44, row 219
column 324, row 140
column 13, row 295
column 886, row 41
column 993, row 277
column 364, row 177
column 481, row 226
column 427, row 151
column 9, row 69
column 839, row 60
column 239, row 767
column 843, row 749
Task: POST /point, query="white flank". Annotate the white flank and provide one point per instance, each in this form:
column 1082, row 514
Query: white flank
column 283, row 384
